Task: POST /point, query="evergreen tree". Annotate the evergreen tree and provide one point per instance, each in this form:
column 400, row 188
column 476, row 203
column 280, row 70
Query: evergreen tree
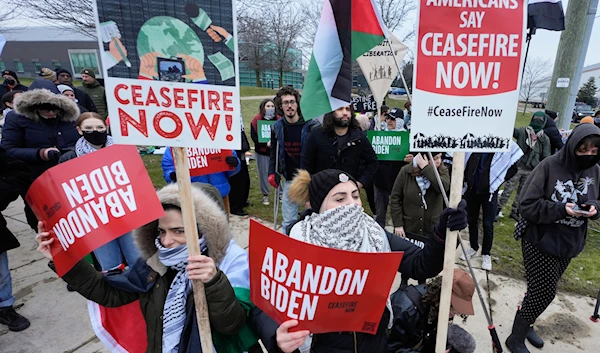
column 587, row 92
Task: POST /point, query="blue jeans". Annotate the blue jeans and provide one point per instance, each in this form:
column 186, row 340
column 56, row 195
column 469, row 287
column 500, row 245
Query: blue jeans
column 6, row 297
column 111, row 255
column 289, row 210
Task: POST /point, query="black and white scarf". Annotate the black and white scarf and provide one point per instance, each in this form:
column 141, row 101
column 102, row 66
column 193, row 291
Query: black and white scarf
column 83, row 146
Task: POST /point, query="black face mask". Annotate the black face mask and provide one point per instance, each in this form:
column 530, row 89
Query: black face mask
column 10, row 81
column 585, row 161
column 96, row 138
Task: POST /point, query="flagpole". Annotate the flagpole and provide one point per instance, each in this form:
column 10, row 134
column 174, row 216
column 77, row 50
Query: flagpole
column 528, row 40
column 400, row 71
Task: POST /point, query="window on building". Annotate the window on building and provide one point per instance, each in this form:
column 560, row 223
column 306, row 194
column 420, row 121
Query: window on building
column 84, row 58
column 2, row 66
column 19, row 66
column 56, row 64
column 37, row 66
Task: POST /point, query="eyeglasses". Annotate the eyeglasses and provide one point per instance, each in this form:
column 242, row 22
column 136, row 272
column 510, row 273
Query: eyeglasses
column 287, row 103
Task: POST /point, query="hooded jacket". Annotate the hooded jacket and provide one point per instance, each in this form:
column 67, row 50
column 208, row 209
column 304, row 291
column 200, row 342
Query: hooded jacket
column 25, row 133
column 4, row 89
column 533, row 156
column 98, row 96
column 555, row 182
column 149, row 280
column 553, row 134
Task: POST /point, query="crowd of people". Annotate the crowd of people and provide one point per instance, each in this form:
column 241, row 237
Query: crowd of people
column 320, row 167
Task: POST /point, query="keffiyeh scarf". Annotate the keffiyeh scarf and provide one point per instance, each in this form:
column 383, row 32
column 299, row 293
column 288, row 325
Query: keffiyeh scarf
column 423, row 183
column 83, row 147
column 532, row 136
column 174, row 312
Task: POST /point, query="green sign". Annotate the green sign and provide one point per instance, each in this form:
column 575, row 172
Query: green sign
column 264, row 130
column 390, row 145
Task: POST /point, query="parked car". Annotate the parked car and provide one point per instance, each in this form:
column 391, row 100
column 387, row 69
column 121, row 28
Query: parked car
column 581, row 111
column 398, row 91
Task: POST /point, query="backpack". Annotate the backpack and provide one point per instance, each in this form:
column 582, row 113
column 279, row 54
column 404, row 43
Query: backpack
column 410, row 318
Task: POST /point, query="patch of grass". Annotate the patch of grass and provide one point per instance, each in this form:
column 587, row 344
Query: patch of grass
column 248, row 91
column 153, row 165
column 26, row 81
column 523, row 119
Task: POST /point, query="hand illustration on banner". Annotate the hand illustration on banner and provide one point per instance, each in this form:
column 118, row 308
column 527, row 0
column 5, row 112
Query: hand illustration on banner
column 218, row 33
column 148, row 65
column 195, row 69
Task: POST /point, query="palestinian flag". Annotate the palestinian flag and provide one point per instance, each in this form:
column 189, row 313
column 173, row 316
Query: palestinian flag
column 546, row 14
column 344, row 33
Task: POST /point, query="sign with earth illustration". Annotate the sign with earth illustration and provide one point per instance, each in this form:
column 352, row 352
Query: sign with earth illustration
column 170, row 69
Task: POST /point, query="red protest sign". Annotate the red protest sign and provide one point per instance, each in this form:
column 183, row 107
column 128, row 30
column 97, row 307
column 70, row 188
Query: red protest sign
column 326, row 290
column 91, row 200
column 203, row 161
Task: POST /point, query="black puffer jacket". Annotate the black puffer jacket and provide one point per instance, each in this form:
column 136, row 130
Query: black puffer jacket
column 553, row 134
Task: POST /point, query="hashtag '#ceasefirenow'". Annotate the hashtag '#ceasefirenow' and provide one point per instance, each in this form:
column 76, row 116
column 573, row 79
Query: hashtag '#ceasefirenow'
column 430, row 111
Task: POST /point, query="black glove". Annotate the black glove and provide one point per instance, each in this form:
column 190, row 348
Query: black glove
column 173, row 177
column 54, row 156
column 455, row 219
column 232, row 161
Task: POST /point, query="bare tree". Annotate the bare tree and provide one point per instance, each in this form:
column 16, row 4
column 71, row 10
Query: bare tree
column 535, row 78
column 8, row 13
column 254, row 46
column 395, row 14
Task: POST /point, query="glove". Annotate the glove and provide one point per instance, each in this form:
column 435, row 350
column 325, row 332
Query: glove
column 173, row 177
column 54, row 156
column 232, row 161
column 274, row 180
column 455, row 219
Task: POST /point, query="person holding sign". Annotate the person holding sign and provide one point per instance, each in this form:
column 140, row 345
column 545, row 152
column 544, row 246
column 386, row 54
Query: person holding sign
column 94, row 135
column 162, row 279
column 263, row 149
column 557, row 200
column 337, row 220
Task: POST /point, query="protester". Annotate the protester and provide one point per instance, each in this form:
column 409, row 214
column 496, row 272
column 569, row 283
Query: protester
column 416, row 309
column 289, row 137
column 161, row 280
column 416, row 198
column 262, row 151
column 552, row 132
column 114, row 255
column 337, row 220
column 387, row 171
column 379, row 119
column 65, row 78
column 240, row 182
column 6, row 106
column 536, row 146
column 11, row 83
column 68, row 92
column 40, row 129
column 219, row 180
column 95, row 91
column 407, row 115
column 340, row 144
column 479, row 199
column 15, row 178
column 48, row 74
column 587, row 120
column 555, row 229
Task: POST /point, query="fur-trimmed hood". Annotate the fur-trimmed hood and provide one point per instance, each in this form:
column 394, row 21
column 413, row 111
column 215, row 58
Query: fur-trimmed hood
column 210, row 217
column 26, row 104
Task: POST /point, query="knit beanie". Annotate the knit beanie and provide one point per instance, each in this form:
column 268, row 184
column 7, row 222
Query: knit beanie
column 315, row 188
column 538, row 121
column 48, row 74
column 63, row 71
column 89, row 72
column 63, row 88
column 587, row 120
column 11, row 73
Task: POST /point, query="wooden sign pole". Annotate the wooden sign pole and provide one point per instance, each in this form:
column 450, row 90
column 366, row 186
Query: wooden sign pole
column 458, row 171
column 191, row 234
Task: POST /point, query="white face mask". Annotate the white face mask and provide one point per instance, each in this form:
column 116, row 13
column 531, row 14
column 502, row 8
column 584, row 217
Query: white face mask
column 269, row 113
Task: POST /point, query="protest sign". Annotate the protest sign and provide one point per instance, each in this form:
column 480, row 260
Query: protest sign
column 390, row 145
column 264, row 130
column 203, row 161
column 326, row 290
column 467, row 74
column 364, row 104
column 379, row 67
column 171, row 80
column 91, row 200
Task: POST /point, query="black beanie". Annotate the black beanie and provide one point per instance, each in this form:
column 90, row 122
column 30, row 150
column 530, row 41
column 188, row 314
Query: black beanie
column 63, row 71
column 11, row 73
column 322, row 182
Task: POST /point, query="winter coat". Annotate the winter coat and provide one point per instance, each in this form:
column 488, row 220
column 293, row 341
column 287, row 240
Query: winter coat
column 277, row 138
column 84, row 100
column 534, row 156
column 417, row 263
column 553, row 134
column 98, row 96
column 321, row 152
column 260, row 148
column 25, row 133
column 481, row 186
column 555, row 182
column 4, row 89
column 219, row 180
column 15, row 178
column 387, row 172
column 406, row 205
column 149, row 280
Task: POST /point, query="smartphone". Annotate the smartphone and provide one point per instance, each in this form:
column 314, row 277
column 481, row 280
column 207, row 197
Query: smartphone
column 171, row 69
column 583, row 209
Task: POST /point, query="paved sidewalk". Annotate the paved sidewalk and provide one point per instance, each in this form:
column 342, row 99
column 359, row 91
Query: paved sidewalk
column 60, row 323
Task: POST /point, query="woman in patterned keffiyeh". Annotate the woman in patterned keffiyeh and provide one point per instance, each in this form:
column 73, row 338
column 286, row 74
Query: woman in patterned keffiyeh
column 336, row 219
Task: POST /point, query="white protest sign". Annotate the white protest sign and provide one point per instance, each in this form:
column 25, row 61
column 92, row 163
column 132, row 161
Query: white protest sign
column 467, row 74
